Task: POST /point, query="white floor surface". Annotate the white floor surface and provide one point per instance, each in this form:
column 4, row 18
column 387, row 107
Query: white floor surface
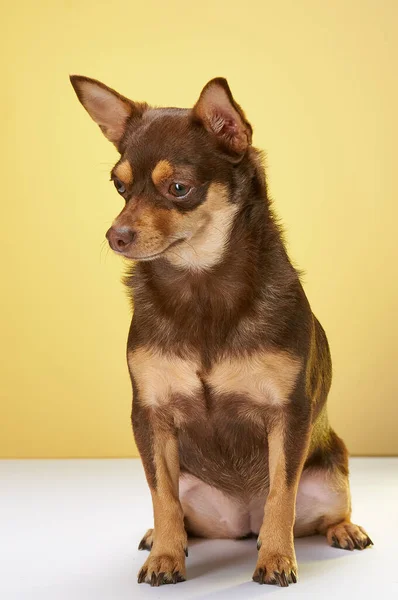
column 69, row 530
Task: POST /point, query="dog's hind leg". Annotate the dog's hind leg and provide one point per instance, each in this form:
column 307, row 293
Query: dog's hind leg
column 323, row 502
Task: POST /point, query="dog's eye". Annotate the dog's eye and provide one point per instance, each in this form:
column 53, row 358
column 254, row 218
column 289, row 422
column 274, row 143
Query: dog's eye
column 119, row 185
column 179, row 190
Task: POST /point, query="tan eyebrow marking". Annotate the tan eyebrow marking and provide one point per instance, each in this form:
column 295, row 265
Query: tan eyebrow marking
column 124, row 172
column 162, row 171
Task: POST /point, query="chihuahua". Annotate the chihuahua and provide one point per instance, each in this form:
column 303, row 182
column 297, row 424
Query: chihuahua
column 230, row 369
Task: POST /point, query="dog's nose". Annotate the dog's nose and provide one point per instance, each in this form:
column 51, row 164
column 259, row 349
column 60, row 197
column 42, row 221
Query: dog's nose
column 120, row 238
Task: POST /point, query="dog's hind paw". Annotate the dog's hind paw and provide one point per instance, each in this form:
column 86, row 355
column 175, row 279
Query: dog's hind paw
column 147, row 541
column 348, row 536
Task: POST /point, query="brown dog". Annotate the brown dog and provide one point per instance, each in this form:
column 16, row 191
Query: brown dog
column 230, row 368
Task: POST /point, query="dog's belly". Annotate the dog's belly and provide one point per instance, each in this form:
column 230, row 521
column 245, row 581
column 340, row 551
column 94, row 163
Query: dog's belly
column 211, row 513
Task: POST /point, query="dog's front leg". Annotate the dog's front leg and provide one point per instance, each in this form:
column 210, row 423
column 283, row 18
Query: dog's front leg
column 287, row 446
column 158, row 446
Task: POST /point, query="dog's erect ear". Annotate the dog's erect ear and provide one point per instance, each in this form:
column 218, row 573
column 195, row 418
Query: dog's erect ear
column 107, row 108
column 223, row 117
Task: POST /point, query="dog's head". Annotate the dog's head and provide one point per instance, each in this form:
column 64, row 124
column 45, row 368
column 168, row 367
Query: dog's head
column 176, row 171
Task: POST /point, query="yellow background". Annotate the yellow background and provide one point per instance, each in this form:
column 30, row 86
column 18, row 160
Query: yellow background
column 318, row 79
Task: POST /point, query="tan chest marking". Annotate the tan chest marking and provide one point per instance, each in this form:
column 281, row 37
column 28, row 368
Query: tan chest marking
column 160, row 376
column 265, row 378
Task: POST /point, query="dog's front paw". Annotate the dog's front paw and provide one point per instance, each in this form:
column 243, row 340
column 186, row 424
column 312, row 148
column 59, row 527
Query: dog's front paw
column 160, row 569
column 275, row 569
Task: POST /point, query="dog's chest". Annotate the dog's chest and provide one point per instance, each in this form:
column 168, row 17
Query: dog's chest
column 220, row 412
column 165, row 380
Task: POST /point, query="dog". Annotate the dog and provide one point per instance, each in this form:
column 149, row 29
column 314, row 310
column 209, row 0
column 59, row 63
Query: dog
column 230, row 369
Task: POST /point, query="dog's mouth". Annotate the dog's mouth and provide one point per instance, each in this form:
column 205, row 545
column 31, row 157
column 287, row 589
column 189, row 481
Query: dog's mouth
column 149, row 257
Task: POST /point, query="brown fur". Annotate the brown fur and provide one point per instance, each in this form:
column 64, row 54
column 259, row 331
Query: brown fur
column 230, row 368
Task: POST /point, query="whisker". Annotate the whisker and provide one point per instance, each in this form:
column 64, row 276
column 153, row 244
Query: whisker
column 176, row 254
column 103, row 246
